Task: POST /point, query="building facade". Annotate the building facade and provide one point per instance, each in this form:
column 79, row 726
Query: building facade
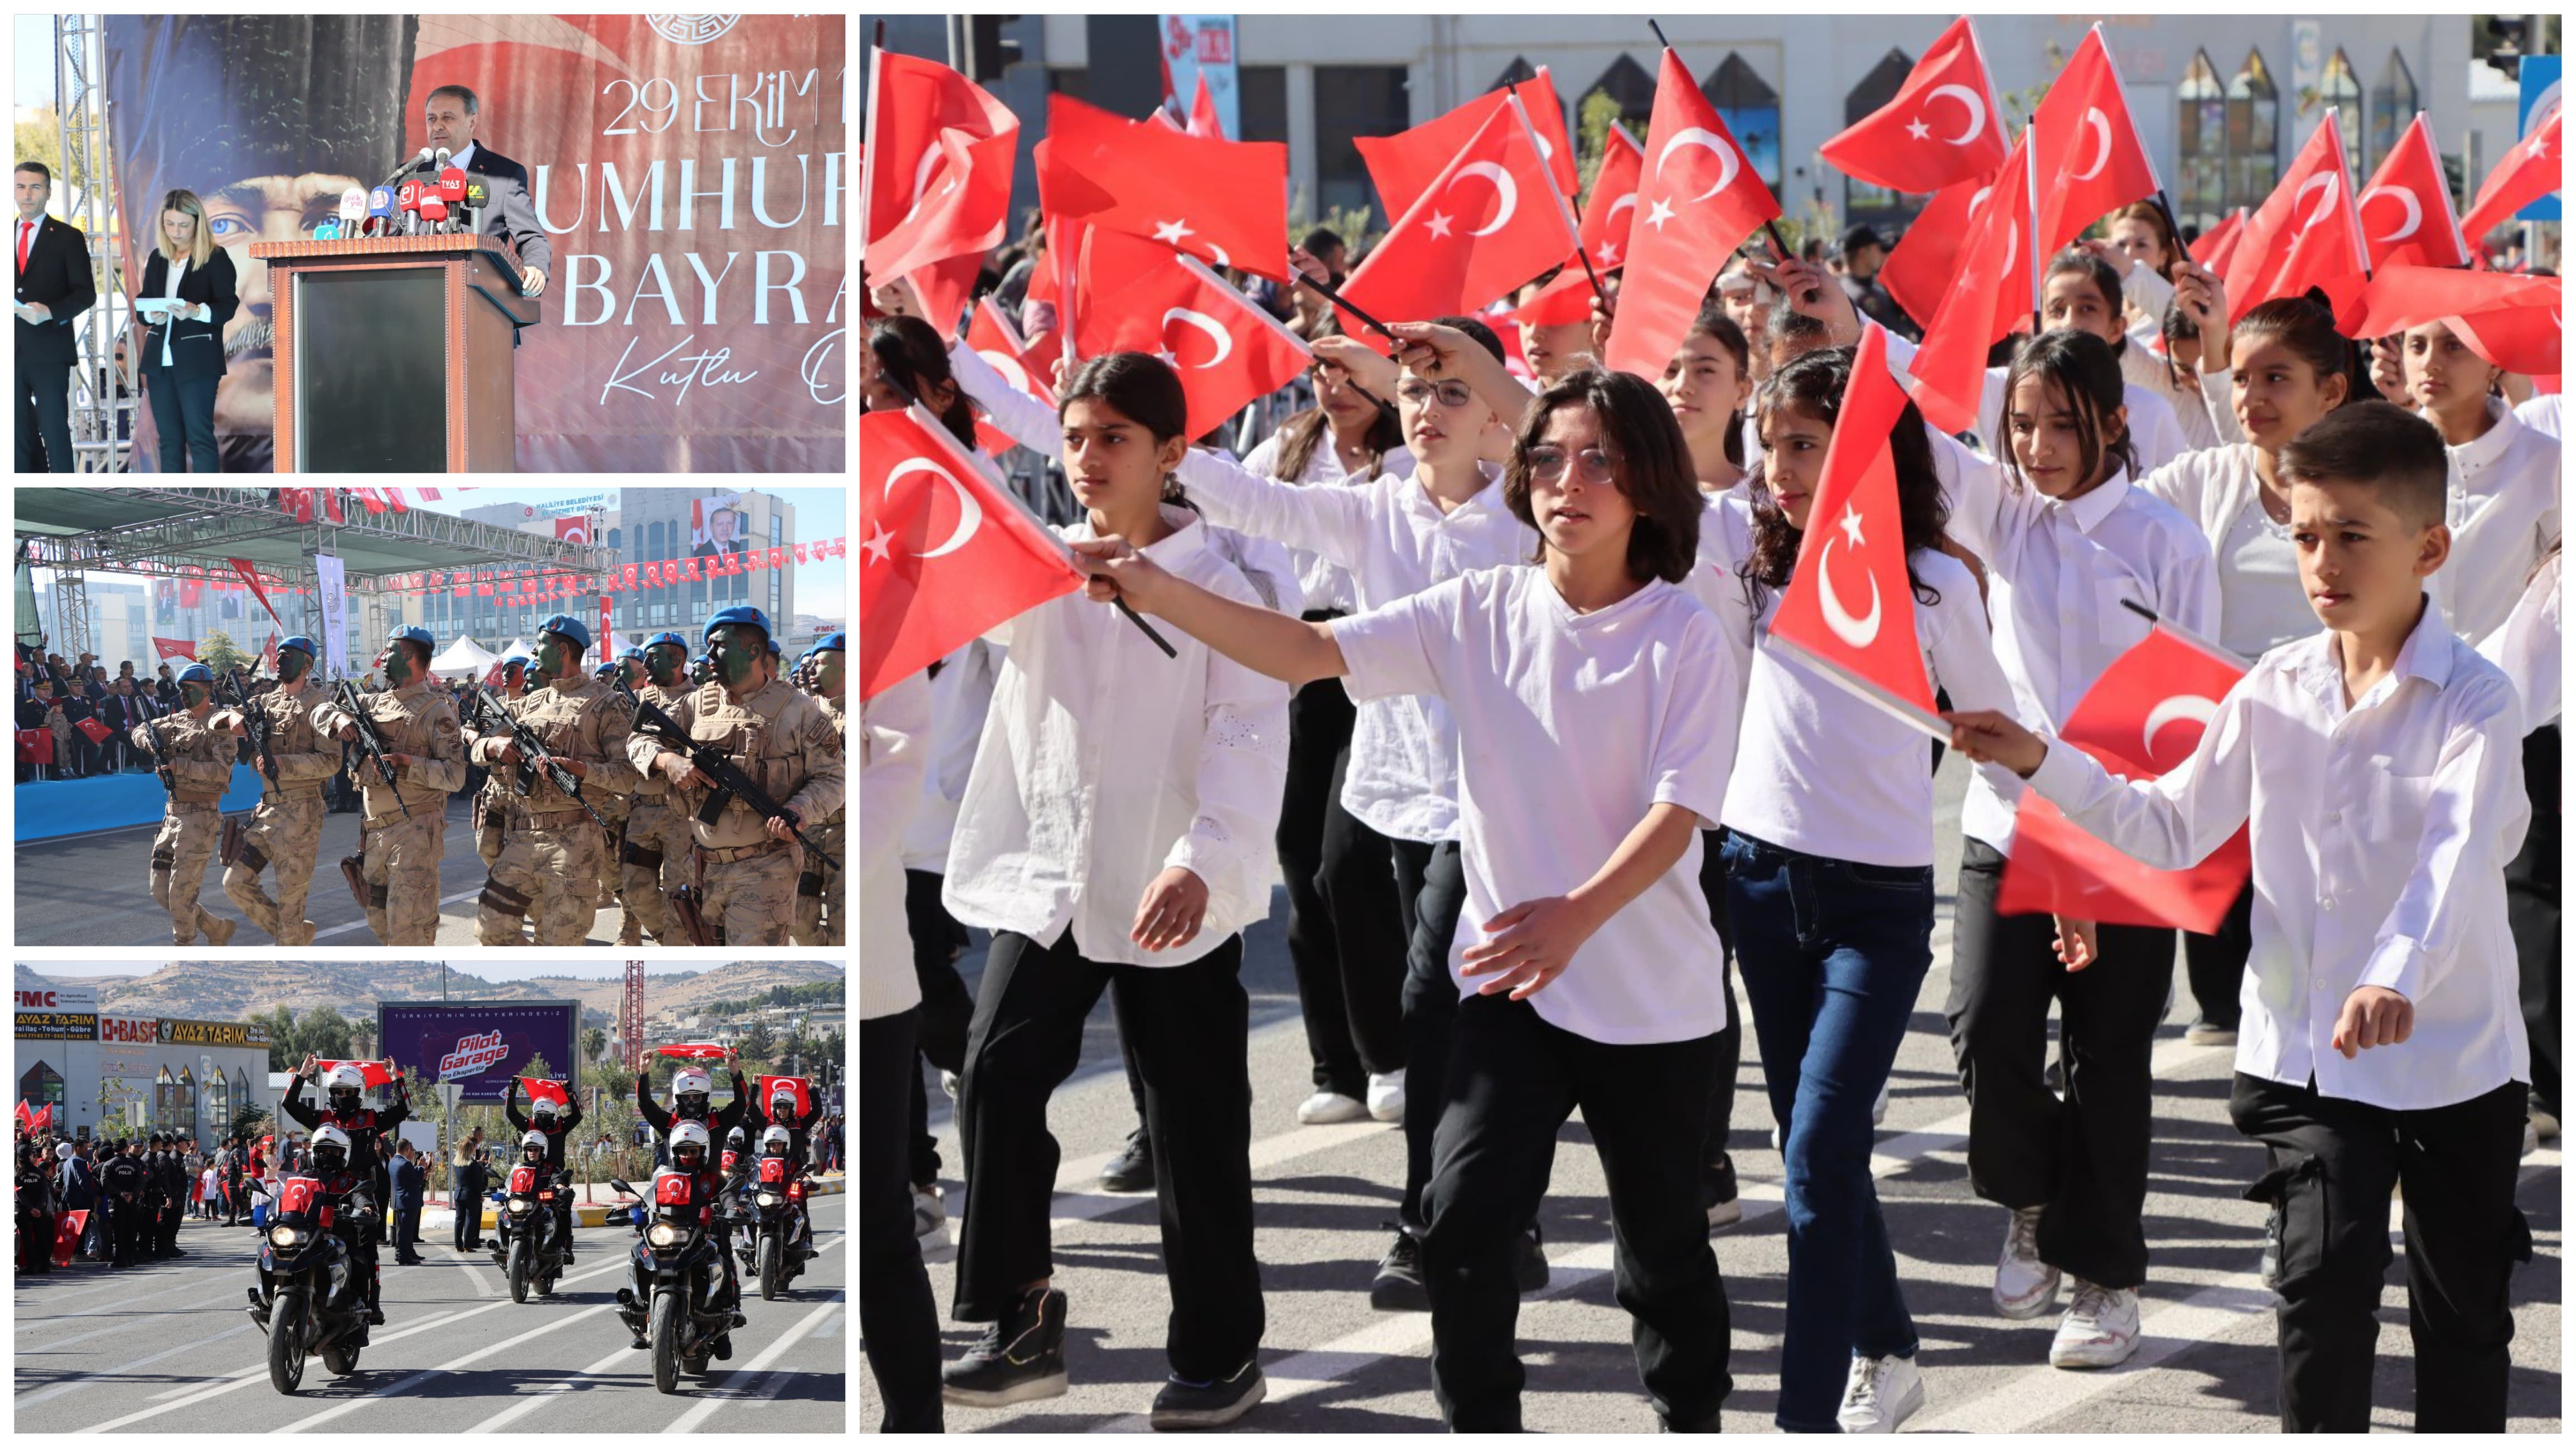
column 114, row 1075
column 2223, row 100
column 641, row 525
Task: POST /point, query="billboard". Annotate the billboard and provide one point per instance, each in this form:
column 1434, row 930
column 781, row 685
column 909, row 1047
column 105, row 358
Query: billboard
column 478, row 1045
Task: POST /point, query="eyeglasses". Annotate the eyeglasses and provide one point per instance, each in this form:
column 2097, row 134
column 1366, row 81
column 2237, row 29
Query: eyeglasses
column 1451, row 394
column 1548, row 464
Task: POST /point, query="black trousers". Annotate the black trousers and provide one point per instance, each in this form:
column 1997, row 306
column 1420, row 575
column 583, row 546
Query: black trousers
column 468, row 1234
column 1513, row 1080
column 236, row 1202
column 1430, row 891
column 945, row 1006
column 1341, row 889
column 2332, row 1163
column 2215, row 964
column 2083, row 1159
column 35, row 1242
column 1730, row 1042
column 166, row 1238
column 897, row 1315
column 1186, row 1025
column 183, row 419
column 45, row 414
column 128, row 1224
column 2531, row 908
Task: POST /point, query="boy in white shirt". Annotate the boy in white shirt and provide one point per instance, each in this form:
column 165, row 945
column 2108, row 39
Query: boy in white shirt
column 2380, row 765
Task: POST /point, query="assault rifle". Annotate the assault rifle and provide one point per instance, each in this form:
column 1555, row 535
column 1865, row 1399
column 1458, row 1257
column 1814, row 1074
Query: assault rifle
column 369, row 740
column 716, row 765
column 534, row 758
column 262, row 731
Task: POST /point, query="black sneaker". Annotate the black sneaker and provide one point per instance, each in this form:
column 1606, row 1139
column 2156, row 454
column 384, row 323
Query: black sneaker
column 1019, row 1359
column 1717, row 1193
column 1182, row 1405
column 1533, row 1265
column 1399, row 1287
column 1132, row 1170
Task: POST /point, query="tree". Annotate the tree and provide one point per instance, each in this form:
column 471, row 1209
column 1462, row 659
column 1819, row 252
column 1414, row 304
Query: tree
column 219, row 653
column 40, row 138
column 282, row 1056
column 758, row 1043
column 594, row 1043
column 324, row 1032
column 248, row 1122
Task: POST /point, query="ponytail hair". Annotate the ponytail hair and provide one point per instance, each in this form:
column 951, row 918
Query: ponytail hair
column 1713, row 323
column 915, row 360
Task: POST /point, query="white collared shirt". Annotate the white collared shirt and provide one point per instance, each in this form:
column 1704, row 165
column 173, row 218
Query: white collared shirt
column 894, row 750
column 2503, row 512
column 2539, row 412
column 2056, row 573
column 2146, row 368
column 1402, row 780
column 2380, row 836
column 2526, row 648
column 1817, row 771
column 2261, row 603
column 1572, row 727
column 960, row 694
column 1104, row 763
column 461, row 158
column 1326, row 585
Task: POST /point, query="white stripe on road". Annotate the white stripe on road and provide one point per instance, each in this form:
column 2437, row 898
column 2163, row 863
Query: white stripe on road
column 360, row 924
column 124, row 1306
column 2224, row 1309
column 1576, row 1264
column 706, row 1407
column 70, row 1382
column 537, row 1399
column 425, row 1375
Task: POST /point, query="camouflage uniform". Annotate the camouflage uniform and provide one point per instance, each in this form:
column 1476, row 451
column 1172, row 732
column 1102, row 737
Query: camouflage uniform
column 822, row 918
column 201, row 768
column 548, row 871
column 287, row 825
column 656, row 846
column 402, row 855
column 791, row 748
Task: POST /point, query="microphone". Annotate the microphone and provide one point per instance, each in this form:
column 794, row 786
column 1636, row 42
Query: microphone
column 353, row 207
column 327, row 231
column 451, row 190
column 433, row 210
column 477, row 196
column 408, row 198
column 380, row 211
column 414, row 164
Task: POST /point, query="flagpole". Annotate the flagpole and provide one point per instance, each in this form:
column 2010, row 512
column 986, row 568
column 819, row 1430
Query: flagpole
column 1329, row 295
column 1779, row 249
column 2030, row 199
column 1876, row 696
column 1573, row 204
column 2219, row 652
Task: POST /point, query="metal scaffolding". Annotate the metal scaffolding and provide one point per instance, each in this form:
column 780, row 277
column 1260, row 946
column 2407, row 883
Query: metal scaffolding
column 102, row 420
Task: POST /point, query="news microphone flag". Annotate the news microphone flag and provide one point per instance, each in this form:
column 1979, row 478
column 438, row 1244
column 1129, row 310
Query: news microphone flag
column 380, row 210
column 433, row 211
column 353, row 205
column 327, row 231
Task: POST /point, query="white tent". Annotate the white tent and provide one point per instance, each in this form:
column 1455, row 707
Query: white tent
column 463, row 657
column 519, row 646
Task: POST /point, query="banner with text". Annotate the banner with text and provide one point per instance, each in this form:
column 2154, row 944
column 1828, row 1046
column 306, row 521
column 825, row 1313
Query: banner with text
column 479, row 1045
column 686, row 172
column 330, row 580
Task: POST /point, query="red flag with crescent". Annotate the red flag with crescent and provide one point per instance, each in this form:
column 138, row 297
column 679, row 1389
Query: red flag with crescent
column 1940, row 129
column 1698, row 198
column 1137, row 296
column 376, row 1073
column 693, row 1051
column 2406, row 213
column 542, row 1089
column 768, row 1090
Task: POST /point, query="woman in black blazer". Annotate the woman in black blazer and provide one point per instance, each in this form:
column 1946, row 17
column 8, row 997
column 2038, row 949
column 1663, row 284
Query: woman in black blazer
column 182, row 388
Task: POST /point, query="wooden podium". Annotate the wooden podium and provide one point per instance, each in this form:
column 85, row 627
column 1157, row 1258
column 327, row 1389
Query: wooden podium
column 393, row 354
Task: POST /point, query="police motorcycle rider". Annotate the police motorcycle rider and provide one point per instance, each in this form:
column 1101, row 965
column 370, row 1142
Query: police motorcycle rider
column 363, row 1126
column 330, row 1158
column 553, row 1126
column 689, row 1146
column 783, row 1117
column 692, row 1099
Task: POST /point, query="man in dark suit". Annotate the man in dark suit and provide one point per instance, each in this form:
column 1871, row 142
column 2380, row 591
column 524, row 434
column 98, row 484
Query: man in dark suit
column 54, row 281
column 409, row 1184
column 451, row 115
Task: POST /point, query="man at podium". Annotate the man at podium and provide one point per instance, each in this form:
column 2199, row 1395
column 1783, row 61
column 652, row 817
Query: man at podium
column 451, row 115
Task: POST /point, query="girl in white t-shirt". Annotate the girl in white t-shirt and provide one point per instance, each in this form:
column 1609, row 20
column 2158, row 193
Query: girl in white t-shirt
column 1116, row 834
column 1596, row 707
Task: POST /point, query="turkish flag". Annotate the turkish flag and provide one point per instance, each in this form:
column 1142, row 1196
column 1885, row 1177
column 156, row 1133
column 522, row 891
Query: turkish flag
column 174, row 648
column 2217, row 246
column 1204, row 120
column 1492, row 220
column 1611, row 211
column 1139, row 297
column 541, row 1089
column 1561, row 303
column 961, row 212
column 2411, row 201
column 1697, row 200
column 1994, row 290
column 376, row 1073
column 767, row 1088
column 2144, row 716
column 2305, row 234
column 949, row 552
column 1855, row 536
column 1918, row 273
column 707, row 1051
column 96, row 732
column 1942, row 127
column 1221, row 201
column 912, row 104
column 298, row 502
column 2508, row 319
column 1408, row 163
column 944, row 288
column 999, row 343
column 35, row 747
column 2530, row 170
column 2089, row 158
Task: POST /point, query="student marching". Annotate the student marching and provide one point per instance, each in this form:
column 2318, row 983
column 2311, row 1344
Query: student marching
column 1582, row 630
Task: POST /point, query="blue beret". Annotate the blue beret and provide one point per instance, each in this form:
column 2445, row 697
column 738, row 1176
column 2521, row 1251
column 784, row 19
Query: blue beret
column 198, row 673
column 417, row 635
column 738, row 614
column 667, row 636
column 299, row 643
column 569, row 627
column 831, row 641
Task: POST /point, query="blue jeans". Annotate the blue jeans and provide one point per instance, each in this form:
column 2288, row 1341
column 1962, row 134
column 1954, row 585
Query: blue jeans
column 1832, row 954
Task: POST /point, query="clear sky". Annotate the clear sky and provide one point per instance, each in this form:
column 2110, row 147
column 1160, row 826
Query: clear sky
column 488, row 969
column 34, row 42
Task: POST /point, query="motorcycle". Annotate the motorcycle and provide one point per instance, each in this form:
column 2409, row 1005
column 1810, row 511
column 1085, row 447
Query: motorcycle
column 310, row 1294
column 527, row 1242
column 778, row 1217
column 686, row 1320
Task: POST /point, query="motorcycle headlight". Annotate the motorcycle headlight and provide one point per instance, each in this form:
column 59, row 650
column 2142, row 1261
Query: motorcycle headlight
column 769, row 1199
column 283, row 1236
column 518, row 1204
column 663, row 1235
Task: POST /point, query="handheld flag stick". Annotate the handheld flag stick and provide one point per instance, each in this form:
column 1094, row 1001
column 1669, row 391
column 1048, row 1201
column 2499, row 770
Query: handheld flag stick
column 1598, row 292
column 1329, row 295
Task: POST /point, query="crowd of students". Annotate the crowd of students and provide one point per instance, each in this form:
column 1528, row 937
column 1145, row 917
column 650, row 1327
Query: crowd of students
column 1482, row 668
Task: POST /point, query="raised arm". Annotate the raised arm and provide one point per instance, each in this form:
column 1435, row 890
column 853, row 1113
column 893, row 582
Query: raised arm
column 1254, row 637
column 1331, row 523
column 1028, row 422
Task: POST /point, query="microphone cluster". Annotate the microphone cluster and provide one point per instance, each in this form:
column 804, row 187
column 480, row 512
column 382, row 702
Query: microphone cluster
column 426, row 196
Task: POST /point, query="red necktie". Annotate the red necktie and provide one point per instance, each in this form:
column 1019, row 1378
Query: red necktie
column 26, row 232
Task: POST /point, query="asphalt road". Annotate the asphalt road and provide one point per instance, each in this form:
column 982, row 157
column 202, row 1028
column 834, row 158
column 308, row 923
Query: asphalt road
column 96, row 890
column 168, row 1349
column 1326, row 1198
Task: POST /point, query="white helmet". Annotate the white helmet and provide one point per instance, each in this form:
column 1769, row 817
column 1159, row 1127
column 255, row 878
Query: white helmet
column 689, row 1134
column 543, row 1107
column 327, row 1135
column 774, row 1137
column 690, row 1079
column 535, row 1139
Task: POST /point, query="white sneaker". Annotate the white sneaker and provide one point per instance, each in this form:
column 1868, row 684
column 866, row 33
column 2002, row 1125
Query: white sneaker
column 2025, row 1287
column 2100, row 1329
column 1881, row 1394
column 929, row 1217
column 1878, row 1109
column 1386, row 1096
column 1330, row 1107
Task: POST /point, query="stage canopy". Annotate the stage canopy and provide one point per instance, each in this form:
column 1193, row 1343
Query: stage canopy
column 149, row 530
column 463, row 657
